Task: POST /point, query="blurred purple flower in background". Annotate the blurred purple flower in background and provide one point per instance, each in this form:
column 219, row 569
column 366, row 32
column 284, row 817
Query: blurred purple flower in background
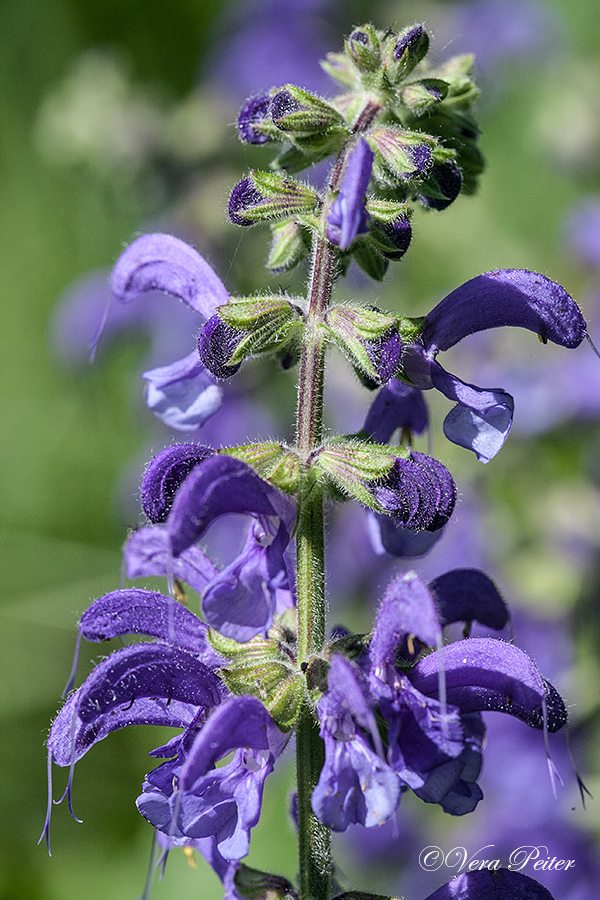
column 273, row 43
column 499, row 32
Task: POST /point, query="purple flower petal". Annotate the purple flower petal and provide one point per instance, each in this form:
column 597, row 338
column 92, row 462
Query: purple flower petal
column 70, row 738
column 355, row 785
column 408, row 610
column 148, row 552
column 481, row 420
column 219, row 486
column 165, row 474
column 183, row 394
column 147, row 670
column 501, row 884
column 478, row 669
column 138, row 611
column 506, row 297
column 467, row 595
column 241, row 601
column 397, row 405
column 388, row 536
column 166, row 263
column 348, row 216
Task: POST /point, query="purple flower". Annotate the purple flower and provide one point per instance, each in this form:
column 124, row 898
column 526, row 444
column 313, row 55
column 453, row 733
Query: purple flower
column 355, row 784
column 183, row 394
column 241, row 600
column 255, row 110
column 501, row 884
column 188, row 797
column 164, row 475
column 418, row 493
column 396, row 406
column 481, row 419
column 348, row 216
column 170, row 681
column 432, row 708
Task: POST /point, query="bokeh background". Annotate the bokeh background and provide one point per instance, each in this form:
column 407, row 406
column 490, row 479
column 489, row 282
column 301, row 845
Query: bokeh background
column 116, row 119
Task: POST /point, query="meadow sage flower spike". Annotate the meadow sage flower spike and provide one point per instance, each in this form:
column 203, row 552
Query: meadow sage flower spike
column 373, row 715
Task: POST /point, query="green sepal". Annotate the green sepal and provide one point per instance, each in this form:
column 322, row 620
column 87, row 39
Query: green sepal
column 369, row 258
column 307, row 150
column 392, row 147
column 257, row 648
column 246, row 313
column 366, row 56
column 272, row 461
column 421, row 96
column 268, row 324
column 263, row 668
column 350, row 465
column 457, row 72
column 387, row 211
column 352, row 327
column 286, row 700
column 281, row 197
column 314, row 115
column 274, row 683
column 410, row 328
column 289, row 245
column 257, row 885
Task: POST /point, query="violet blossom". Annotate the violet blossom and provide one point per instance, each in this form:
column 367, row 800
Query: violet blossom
column 172, row 680
column 240, row 600
column 183, row 394
column 481, row 419
column 348, row 216
column 431, row 707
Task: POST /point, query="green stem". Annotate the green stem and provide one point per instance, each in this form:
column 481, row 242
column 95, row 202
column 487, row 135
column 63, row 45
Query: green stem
column 314, row 838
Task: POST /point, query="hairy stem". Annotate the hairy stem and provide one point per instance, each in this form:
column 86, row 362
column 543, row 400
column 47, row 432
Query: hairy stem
column 314, row 838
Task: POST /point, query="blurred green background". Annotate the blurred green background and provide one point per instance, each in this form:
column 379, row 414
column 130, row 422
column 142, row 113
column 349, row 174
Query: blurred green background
column 68, row 435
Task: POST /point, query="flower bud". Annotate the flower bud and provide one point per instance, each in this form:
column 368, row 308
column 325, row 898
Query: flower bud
column 400, row 154
column 246, row 327
column 420, row 96
column 405, row 52
column 364, row 49
column 255, row 125
column 268, row 195
column 300, row 113
column 369, row 339
column 289, row 246
column 216, row 345
column 443, row 185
